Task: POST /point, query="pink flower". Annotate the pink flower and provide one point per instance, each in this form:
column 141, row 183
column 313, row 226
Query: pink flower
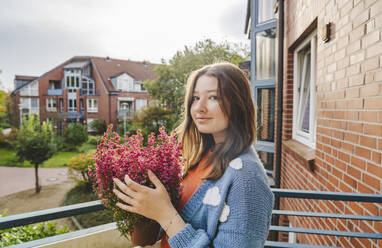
column 116, row 157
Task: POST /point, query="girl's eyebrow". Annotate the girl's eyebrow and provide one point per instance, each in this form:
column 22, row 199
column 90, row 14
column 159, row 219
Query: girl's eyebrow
column 195, row 91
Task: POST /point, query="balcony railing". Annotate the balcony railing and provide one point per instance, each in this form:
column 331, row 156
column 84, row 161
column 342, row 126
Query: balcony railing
column 89, row 92
column 72, row 115
column 125, row 113
column 61, row 212
column 54, row 92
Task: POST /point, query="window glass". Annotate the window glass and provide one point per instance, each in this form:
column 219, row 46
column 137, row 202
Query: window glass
column 265, row 54
column 267, row 159
column 265, row 10
column 265, row 114
column 34, row 102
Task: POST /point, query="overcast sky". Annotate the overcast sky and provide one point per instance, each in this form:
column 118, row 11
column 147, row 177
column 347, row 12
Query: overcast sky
column 37, row 35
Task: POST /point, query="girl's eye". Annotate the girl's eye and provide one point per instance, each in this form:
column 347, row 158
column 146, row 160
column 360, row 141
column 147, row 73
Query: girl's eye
column 194, row 98
column 214, row 97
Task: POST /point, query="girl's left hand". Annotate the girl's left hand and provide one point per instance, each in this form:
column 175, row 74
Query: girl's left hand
column 154, row 204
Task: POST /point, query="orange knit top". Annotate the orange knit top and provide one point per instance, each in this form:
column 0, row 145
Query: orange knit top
column 190, row 184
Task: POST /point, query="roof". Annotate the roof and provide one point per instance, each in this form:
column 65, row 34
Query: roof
column 23, row 77
column 108, row 68
column 74, row 65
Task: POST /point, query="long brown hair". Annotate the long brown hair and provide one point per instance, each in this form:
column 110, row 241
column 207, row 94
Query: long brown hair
column 236, row 102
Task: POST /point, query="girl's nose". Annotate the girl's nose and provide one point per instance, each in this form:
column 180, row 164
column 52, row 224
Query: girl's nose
column 202, row 105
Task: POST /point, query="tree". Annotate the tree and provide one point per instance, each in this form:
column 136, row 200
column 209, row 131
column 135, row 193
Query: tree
column 75, row 135
column 169, row 87
column 35, row 143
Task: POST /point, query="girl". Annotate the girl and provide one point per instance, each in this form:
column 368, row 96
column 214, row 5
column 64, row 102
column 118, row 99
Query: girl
column 225, row 201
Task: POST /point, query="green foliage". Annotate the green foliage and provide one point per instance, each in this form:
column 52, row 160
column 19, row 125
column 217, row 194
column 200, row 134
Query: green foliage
column 75, row 135
column 82, row 193
column 5, row 115
column 80, row 163
column 18, row 235
column 99, row 126
column 169, row 87
column 7, row 141
column 93, row 140
column 35, row 141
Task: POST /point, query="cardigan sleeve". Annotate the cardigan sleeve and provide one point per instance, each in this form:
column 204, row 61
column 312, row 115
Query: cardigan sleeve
column 245, row 224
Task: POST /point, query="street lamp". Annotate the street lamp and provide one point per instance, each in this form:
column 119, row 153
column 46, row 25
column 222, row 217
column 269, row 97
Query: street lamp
column 124, row 108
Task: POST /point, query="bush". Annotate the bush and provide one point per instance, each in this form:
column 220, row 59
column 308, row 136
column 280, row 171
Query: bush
column 18, row 235
column 83, row 193
column 98, row 126
column 7, row 141
column 81, row 163
column 75, row 135
column 93, row 140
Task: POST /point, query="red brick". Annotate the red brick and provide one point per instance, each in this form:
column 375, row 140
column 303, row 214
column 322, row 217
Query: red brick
column 344, row 157
column 359, row 163
column 376, row 157
column 363, row 152
column 368, row 141
column 354, row 172
column 374, row 170
column 355, row 104
column 371, row 181
column 362, row 188
column 351, row 137
column 347, row 147
column 373, row 129
column 350, row 181
column 352, row 115
column 373, row 103
column 355, row 127
column 369, row 116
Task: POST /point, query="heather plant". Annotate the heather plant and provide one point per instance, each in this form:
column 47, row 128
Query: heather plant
column 116, row 157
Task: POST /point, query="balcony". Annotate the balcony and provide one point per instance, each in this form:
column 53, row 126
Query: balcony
column 54, row 92
column 89, row 92
column 107, row 235
column 72, row 115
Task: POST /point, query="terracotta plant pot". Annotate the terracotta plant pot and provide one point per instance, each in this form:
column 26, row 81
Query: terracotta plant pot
column 145, row 233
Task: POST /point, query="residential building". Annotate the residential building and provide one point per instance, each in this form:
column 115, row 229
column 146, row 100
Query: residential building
column 83, row 89
column 316, row 75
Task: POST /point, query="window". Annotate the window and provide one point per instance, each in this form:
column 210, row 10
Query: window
column 54, row 84
column 61, row 105
column 304, row 121
column 72, row 105
column 265, row 10
column 82, row 105
column 92, row 105
column 140, row 103
column 51, row 105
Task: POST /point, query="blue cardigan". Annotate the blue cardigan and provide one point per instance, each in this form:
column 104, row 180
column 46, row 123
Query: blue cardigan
column 233, row 211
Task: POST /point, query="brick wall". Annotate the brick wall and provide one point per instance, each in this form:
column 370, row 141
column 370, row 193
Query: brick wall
column 349, row 114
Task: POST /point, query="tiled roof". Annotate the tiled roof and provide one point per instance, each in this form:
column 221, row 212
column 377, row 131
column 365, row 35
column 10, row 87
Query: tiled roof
column 23, row 77
column 109, row 68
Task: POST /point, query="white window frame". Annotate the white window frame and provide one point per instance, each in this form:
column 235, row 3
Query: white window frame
column 49, row 105
column 299, row 135
column 140, row 103
column 92, row 105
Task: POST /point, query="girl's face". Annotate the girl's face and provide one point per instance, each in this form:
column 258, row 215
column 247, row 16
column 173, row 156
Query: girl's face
column 205, row 109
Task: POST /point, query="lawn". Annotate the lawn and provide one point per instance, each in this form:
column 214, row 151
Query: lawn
column 60, row 159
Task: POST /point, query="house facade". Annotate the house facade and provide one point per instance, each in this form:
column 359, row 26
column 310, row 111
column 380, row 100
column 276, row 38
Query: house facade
column 325, row 58
column 83, row 89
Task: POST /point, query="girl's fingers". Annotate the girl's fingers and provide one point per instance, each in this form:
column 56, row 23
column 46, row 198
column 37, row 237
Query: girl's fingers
column 155, row 180
column 124, row 188
column 124, row 197
column 125, row 207
column 133, row 185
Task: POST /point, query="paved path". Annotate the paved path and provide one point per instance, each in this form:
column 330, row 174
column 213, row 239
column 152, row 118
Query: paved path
column 14, row 179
